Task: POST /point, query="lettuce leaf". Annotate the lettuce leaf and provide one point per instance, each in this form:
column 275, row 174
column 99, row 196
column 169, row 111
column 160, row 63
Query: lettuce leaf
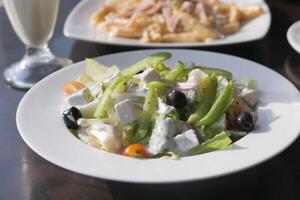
column 99, row 72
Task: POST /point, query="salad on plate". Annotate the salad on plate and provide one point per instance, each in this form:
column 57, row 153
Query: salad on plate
column 150, row 110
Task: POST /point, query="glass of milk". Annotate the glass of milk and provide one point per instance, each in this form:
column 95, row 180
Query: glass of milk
column 33, row 22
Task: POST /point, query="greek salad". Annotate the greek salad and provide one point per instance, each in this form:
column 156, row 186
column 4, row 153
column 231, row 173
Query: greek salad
column 150, row 110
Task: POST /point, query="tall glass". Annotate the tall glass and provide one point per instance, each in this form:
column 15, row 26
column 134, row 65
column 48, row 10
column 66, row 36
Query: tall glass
column 33, row 22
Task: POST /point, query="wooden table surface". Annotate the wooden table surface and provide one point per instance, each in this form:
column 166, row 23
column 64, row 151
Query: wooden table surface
column 25, row 175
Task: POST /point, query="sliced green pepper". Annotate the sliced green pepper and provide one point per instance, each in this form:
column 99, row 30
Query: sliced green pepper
column 218, row 108
column 148, row 112
column 219, row 142
column 154, row 61
column 211, row 131
column 216, row 71
column 105, row 98
column 208, row 92
column 174, row 73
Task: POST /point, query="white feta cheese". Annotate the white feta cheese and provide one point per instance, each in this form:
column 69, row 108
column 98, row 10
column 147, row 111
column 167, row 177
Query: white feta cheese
column 80, row 97
column 249, row 96
column 239, row 85
column 95, row 88
column 222, row 83
column 162, row 136
column 185, row 86
column 164, row 108
column 148, row 76
column 196, row 76
column 194, row 79
column 85, row 123
column 127, row 111
column 185, row 141
column 107, row 135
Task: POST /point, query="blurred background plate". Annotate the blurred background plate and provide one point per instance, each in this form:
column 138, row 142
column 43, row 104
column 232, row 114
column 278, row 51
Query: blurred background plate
column 293, row 36
column 77, row 26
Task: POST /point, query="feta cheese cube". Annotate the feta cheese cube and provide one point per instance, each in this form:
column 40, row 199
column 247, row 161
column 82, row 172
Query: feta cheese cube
column 185, row 141
column 164, row 108
column 148, row 76
column 249, row 96
column 127, row 111
column 95, row 88
column 107, row 135
column 196, row 76
column 81, row 97
column 162, row 136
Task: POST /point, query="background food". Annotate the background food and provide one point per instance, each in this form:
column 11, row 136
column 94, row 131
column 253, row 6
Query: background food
column 172, row 20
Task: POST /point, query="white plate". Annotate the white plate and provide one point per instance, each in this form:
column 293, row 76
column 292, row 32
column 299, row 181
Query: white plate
column 41, row 126
column 293, row 36
column 77, row 26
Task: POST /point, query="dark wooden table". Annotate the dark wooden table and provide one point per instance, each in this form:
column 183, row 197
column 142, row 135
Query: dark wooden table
column 25, row 175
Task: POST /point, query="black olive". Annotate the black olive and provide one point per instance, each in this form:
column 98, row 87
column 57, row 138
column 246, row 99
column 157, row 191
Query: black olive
column 176, row 99
column 70, row 117
column 244, row 121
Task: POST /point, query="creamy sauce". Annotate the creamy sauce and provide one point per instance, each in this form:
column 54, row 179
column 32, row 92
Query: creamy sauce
column 32, row 20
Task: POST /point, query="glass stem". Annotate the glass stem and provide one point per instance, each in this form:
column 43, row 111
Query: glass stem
column 41, row 52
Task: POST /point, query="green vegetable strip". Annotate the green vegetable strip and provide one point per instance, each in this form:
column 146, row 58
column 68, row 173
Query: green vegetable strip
column 218, row 108
column 211, row 131
column 216, row 71
column 219, row 142
column 175, row 72
column 148, row 112
column 153, row 61
column 208, row 93
column 105, row 98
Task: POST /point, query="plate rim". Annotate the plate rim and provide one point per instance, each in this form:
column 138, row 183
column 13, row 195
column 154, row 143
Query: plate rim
column 290, row 36
column 228, row 172
column 70, row 34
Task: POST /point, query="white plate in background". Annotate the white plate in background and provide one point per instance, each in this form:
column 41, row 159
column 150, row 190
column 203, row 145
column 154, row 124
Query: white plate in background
column 77, row 26
column 41, row 126
column 293, row 36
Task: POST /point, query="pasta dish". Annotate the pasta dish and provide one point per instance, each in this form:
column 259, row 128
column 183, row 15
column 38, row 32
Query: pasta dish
column 172, row 20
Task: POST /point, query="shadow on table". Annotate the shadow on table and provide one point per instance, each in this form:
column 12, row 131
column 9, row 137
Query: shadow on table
column 270, row 181
column 82, row 49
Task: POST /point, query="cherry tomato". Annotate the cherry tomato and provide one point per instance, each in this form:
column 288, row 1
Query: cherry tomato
column 73, row 86
column 136, row 151
column 231, row 115
column 237, row 110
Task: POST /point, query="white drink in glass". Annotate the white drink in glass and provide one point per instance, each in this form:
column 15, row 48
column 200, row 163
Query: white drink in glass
column 33, row 22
